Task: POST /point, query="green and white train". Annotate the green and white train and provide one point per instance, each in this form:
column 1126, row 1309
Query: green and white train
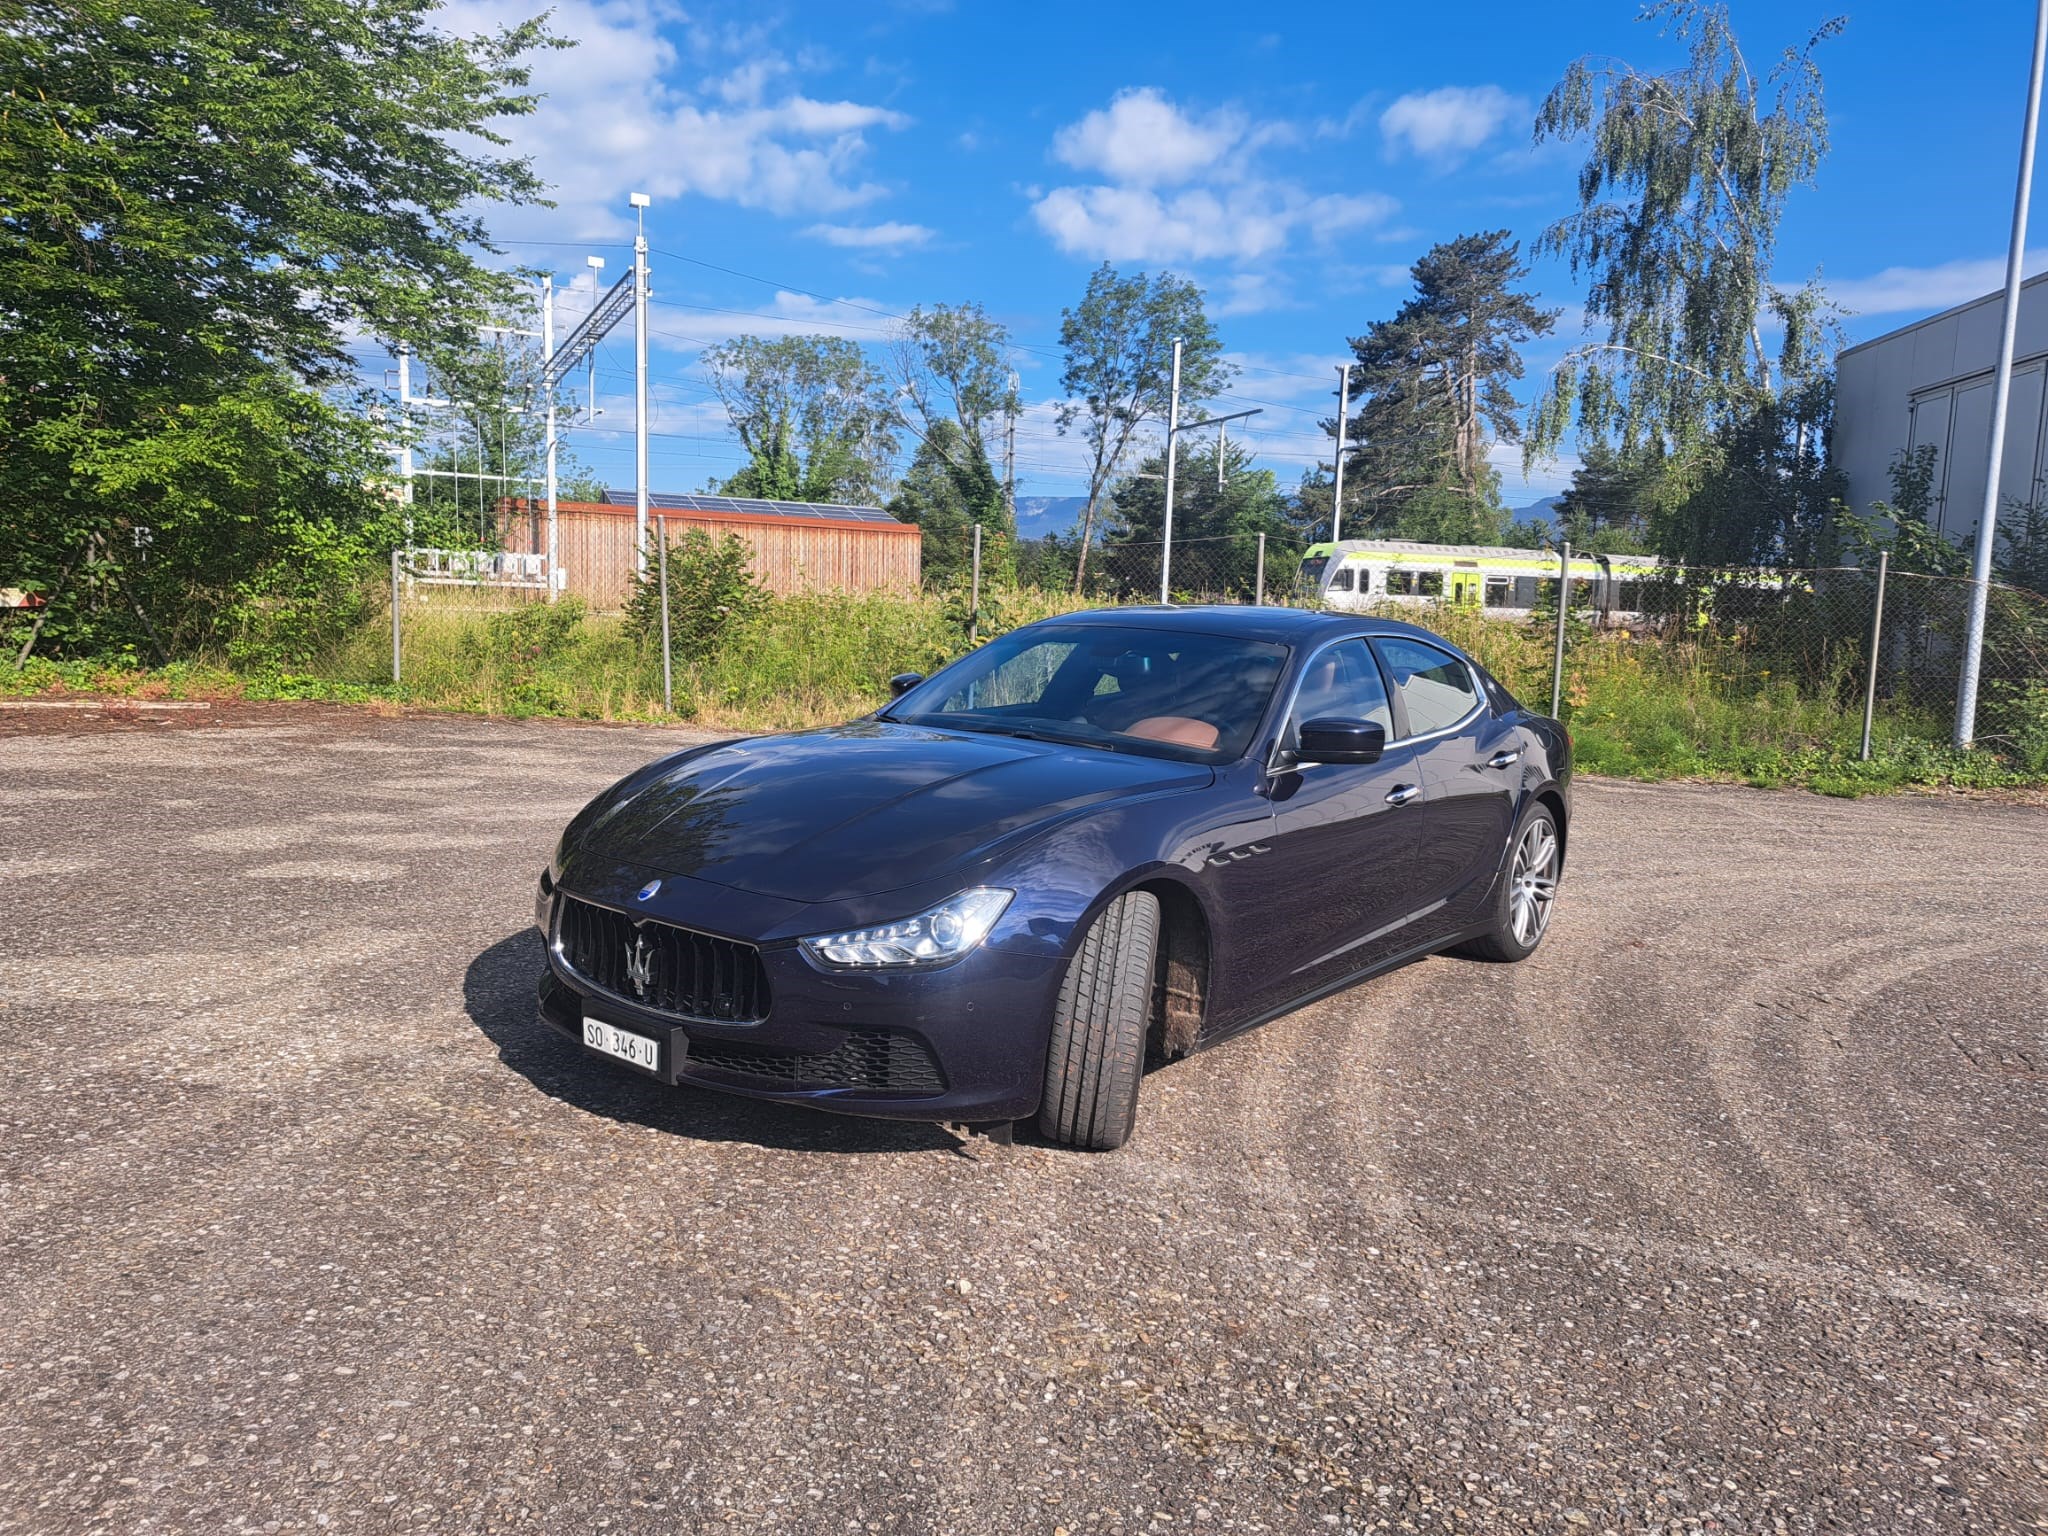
column 1367, row 573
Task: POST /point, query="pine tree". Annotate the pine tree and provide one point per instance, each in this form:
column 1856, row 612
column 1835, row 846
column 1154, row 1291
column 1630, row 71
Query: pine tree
column 1434, row 386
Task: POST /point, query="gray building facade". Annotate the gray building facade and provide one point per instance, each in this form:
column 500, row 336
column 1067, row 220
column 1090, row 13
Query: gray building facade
column 1929, row 383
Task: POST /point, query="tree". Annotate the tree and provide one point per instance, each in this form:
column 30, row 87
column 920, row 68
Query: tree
column 1433, row 384
column 1757, row 492
column 198, row 205
column 813, row 404
column 1119, row 362
column 1680, row 197
column 1609, row 506
column 949, row 488
column 1215, row 530
column 951, row 362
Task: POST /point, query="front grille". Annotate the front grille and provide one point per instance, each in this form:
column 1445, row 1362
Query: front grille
column 876, row 1060
column 689, row 974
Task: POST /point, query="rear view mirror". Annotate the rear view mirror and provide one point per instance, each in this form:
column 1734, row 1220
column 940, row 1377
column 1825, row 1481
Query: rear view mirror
column 1341, row 741
column 903, row 682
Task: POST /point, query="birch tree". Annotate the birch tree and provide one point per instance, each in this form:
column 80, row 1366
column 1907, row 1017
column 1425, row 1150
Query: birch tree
column 1685, row 181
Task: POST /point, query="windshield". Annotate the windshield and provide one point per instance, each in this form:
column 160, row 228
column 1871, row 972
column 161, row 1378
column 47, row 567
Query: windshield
column 1161, row 693
column 1310, row 578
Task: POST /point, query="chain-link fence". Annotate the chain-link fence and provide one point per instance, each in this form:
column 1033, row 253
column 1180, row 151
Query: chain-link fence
column 1893, row 639
column 1694, row 656
column 440, row 587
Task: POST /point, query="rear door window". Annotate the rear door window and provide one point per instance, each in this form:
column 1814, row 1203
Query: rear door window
column 1436, row 688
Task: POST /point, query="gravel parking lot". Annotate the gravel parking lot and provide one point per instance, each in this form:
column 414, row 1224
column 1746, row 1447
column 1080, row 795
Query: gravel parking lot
column 1725, row 1213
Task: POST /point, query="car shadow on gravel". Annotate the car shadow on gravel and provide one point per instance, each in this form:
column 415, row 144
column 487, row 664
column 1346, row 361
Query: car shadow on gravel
column 498, row 993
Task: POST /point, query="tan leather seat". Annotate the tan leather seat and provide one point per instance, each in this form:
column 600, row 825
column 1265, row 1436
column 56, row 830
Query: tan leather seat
column 1179, row 730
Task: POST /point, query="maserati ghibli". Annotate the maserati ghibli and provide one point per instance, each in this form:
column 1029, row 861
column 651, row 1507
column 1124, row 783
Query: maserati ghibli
column 1102, row 840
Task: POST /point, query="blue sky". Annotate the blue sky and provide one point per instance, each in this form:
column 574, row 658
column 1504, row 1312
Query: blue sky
column 823, row 168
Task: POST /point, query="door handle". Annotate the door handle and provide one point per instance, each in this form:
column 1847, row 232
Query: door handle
column 1504, row 759
column 1401, row 794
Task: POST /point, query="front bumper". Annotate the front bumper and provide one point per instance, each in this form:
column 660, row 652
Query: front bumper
column 966, row 1041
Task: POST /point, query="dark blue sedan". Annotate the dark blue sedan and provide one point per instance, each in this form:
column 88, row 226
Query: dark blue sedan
column 1101, row 839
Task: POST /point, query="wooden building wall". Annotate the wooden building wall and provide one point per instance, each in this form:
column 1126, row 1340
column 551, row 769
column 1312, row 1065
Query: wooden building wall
column 791, row 554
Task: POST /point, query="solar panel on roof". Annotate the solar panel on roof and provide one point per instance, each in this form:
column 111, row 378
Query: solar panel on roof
column 749, row 506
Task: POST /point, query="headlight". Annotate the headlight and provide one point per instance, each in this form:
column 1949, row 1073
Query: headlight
column 543, row 901
column 946, row 932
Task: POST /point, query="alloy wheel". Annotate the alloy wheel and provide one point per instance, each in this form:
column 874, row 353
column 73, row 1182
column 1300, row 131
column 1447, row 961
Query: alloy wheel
column 1532, row 886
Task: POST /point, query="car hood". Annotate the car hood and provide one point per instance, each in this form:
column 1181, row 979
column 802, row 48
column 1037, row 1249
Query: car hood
column 860, row 809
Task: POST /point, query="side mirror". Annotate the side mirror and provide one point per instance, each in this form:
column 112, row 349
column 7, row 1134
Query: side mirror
column 903, row 682
column 1341, row 741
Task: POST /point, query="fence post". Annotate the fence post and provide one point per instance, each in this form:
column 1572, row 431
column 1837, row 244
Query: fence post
column 1564, row 606
column 974, row 603
column 668, row 684
column 1884, row 560
column 1259, row 584
column 394, row 618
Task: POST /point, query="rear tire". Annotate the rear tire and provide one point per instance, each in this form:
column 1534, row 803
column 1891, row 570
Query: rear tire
column 1528, row 892
column 1097, row 1053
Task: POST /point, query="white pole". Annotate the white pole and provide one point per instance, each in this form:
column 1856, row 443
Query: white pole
column 2001, row 395
column 405, row 421
column 1343, row 425
column 640, row 386
column 547, row 352
column 1172, row 441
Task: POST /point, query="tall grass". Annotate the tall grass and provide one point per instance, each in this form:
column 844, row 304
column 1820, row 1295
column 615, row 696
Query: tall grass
column 804, row 660
column 1638, row 707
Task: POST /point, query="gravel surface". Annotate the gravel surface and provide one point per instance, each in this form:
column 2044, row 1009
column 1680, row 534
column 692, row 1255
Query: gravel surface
column 1724, row 1213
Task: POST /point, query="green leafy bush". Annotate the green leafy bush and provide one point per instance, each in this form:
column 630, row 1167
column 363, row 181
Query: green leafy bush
column 713, row 595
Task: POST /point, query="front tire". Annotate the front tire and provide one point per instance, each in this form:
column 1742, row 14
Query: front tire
column 1097, row 1053
column 1523, row 905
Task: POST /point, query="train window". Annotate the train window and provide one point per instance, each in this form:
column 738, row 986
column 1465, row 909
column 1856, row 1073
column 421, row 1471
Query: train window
column 1341, row 582
column 1415, row 583
column 1500, row 592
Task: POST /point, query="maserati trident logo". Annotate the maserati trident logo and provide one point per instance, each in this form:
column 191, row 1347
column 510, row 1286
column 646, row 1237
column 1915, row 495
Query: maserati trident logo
column 639, row 965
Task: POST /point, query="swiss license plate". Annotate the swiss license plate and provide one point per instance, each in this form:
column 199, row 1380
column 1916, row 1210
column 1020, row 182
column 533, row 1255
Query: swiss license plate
column 636, row 1050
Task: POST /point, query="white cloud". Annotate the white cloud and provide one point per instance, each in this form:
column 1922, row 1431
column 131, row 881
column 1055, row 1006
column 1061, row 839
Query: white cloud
column 1241, row 223
column 617, row 116
column 1184, row 188
column 685, row 327
column 1143, row 138
column 1448, row 122
column 1902, row 290
column 1251, row 293
column 889, row 236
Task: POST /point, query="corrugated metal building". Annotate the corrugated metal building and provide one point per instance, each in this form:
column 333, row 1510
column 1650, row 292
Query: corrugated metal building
column 1930, row 384
column 798, row 546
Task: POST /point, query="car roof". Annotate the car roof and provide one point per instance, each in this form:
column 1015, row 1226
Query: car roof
column 1283, row 626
